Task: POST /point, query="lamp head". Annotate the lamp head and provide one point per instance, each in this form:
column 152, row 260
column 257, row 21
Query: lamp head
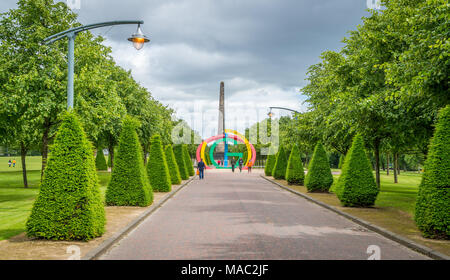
column 138, row 39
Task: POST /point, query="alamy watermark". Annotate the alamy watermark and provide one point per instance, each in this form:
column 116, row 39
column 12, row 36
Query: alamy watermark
column 74, row 251
column 374, row 4
column 74, row 4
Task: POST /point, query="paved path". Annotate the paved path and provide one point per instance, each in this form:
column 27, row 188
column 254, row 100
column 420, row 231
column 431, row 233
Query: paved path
column 242, row 216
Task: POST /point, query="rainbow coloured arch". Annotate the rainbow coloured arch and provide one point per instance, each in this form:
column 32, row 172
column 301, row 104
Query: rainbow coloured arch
column 229, row 135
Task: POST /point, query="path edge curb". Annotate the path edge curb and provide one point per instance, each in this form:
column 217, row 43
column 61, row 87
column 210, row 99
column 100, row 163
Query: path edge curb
column 390, row 235
column 108, row 243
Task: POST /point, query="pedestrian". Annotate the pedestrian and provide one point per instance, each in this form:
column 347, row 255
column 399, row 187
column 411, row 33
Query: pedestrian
column 9, row 163
column 219, row 162
column 241, row 163
column 201, row 168
column 233, row 162
column 249, row 167
column 14, row 162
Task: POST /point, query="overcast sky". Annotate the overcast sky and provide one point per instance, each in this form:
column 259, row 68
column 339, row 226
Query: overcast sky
column 261, row 49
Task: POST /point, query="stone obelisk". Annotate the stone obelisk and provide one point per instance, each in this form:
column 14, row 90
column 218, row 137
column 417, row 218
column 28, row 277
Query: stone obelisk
column 221, row 127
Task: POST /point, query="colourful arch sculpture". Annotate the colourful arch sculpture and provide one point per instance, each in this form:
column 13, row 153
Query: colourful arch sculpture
column 251, row 152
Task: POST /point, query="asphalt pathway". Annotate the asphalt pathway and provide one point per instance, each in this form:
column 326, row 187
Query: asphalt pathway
column 238, row 216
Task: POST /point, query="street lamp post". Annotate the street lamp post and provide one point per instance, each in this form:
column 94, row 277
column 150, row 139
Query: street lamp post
column 270, row 114
column 138, row 39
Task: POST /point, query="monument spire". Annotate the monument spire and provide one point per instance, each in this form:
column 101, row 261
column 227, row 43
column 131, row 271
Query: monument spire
column 221, row 126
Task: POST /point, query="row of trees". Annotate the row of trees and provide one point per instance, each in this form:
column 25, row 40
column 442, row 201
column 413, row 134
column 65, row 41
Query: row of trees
column 33, row 85
column 387, row 83
column 69, row 205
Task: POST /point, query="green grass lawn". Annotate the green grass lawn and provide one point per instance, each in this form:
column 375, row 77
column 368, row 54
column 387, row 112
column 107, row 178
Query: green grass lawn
column 33, row 163
column 16, row 201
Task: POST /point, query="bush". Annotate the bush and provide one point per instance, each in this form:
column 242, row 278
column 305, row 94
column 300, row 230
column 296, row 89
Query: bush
column 319, row 178
column 432, row 213
column 189, row 165
column 174, row 172
column 157, row 170
column 270, row 163
column 294, row 172
column 179, row 157
column 129, row 185
column 279, row 169
column 356, row 186
column 341, row 161
column 100, row 161
column 69, row 205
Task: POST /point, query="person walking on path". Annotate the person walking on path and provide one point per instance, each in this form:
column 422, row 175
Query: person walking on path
column 9, row 163
column 249, row 167
column 241, row 163
column 233, row 163
column 14, row 162
column 201, row 168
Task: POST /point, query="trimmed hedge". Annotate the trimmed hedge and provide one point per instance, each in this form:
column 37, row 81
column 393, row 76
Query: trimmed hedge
column 187, row 158
column 157, row 170
column 294, row 172
column 319, row 177
column 279, row 169
column 432, row 213
column 175, row 176
column 100, row 161
column 341, row 161
column 129, row 185
column 179, row 157
column 270, row 163
column 69, row 205
column 356, row 186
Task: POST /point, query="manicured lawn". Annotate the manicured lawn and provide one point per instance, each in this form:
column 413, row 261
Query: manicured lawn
column 16, row 201
column 33, row 163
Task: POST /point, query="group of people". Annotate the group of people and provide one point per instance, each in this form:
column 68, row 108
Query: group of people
column 201, row 166
column 13, row 162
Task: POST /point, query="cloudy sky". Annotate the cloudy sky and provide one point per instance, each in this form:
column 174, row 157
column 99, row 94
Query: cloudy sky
column 261, row 49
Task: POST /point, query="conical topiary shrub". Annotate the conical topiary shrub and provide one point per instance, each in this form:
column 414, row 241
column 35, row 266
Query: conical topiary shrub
column 100, row 161
column 356, row 186
column 69, row 205
column 188, row 161
column 270, row 163
column 319, row 177
column 157, row 170
column 279, row 169
column 432, row 213
column 179, row 157
column 294, row 172
column 175, row 176
column 129, row 184
column 341, row 161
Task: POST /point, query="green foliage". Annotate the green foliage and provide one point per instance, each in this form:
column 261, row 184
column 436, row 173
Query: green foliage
column 188, row 161
column 109, row 161
column 69, row 205
column 157, row 170
column 356, row 185
column 129, row 184
column 279, row 169
column 319, row 177
column 432, row 214
column 174, row 171
column 180, row 158
column 294, row 172
column 341, row 161
column 270, row 163
column 100, row 161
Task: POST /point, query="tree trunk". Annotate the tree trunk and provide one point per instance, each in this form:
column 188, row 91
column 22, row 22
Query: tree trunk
column 387, row 162
column 398, row 166
column 111, row 154
column 145, row 155
column 23, row 155
column 377, row 161
column 395, row 167
column 45, row 148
